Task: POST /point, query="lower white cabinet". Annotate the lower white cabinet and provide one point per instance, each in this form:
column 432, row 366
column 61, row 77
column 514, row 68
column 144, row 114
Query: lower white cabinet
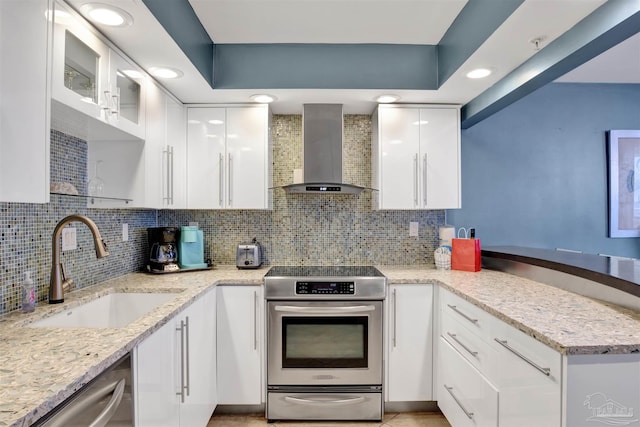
column 410, row 343
column 529, row 379
column 465, row 396
column 240, row 335
column 482, row 359
column 174, row 369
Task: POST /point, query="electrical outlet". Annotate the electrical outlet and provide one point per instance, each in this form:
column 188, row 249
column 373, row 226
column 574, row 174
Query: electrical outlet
column 69, row 241
column 413, row 229
column 125, row 232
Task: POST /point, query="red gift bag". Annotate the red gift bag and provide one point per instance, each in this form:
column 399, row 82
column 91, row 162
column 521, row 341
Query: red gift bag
column 465, row 253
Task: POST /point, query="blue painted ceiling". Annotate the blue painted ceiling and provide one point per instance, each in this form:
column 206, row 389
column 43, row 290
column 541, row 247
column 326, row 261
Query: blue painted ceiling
column 397, row 66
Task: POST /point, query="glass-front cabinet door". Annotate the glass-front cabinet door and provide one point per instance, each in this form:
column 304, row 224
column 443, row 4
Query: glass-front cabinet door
column 90, row 76
column 80, row 64
column 126, row 97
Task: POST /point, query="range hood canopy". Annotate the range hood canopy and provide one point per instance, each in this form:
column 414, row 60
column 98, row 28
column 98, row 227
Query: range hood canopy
column 323, row 166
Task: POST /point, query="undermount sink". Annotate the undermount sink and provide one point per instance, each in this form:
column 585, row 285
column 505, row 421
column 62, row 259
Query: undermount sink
column 109, row 311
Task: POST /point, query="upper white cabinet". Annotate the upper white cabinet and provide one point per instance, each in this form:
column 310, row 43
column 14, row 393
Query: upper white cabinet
column 410, row 343
column 165, row 150
column 416, row 157
column 228, row 157
column 151, row 172
column 25, row 43
column 92, row 78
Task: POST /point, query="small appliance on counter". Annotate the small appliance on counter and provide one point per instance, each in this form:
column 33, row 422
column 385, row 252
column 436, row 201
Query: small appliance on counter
column 249, row 255
column 191, row 248
column 175, row 250
column 163, row 249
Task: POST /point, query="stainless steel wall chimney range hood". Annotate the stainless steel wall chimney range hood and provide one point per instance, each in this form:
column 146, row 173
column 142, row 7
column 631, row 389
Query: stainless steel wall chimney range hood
column 322, row 146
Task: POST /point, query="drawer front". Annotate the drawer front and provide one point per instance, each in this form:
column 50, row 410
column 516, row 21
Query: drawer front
column 529, row 380
column 476, row 319
column 465, row 397
column 471, row 346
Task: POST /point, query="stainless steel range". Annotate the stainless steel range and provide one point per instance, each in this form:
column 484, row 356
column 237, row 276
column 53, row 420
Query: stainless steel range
column 324, row 343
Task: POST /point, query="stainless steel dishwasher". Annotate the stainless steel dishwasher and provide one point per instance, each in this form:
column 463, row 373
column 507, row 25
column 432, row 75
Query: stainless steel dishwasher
column 104, row 402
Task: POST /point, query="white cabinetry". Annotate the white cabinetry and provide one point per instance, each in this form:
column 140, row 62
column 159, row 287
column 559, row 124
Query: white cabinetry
column 410, row 343
column 25, row 43
column 240, row 335
column 416, row 157
column 229, row 158
column 165, row 151
column 492, row 374
column 151, row 173
column 175, row 369
column 91, row 77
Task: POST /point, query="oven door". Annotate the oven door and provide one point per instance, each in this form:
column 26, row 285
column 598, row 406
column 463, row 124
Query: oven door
column 324, row 343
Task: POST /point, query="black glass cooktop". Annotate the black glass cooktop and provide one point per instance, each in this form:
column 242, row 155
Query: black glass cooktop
column 324, row 271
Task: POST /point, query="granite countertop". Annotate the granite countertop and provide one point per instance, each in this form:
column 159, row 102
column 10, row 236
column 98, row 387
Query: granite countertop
column 41, row 367
column 567, row 322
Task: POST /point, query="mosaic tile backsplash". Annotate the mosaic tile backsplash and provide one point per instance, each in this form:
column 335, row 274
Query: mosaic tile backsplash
column 301, row 229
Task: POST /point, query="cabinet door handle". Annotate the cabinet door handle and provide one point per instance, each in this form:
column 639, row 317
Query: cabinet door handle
column 167, row 154
column 470, row 319
column 221, row 180
column 505, row 344
column 395, row 318
column 455, row 338
column 466, row 412
column 182, row 364
column 116, row 104
column 230, row 180
column 170, row 174
column 415, row 180
column 187, row 358
column 424, row 180
column 255, row 320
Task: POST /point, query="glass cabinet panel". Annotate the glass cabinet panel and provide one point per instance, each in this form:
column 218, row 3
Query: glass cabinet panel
column 80, row 68
column 129, row 96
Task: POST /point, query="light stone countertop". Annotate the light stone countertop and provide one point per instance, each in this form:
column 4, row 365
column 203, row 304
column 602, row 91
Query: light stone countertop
column 41, row 367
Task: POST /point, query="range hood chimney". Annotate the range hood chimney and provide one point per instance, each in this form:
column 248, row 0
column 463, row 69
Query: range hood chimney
column 323, row 167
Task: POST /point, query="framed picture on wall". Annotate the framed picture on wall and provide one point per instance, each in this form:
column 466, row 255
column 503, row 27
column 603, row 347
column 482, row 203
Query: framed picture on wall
column 624, row 183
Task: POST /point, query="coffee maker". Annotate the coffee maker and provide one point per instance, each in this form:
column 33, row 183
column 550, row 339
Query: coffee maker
column 163, row 249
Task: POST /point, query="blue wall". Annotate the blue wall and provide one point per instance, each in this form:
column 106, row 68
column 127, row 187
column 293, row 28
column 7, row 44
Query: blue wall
column 535, row 173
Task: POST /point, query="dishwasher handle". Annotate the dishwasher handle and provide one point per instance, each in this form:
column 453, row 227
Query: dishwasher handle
column 109, row 411
column 63, row 418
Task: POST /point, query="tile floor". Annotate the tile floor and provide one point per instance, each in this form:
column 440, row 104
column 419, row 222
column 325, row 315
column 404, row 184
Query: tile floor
column 391, row 419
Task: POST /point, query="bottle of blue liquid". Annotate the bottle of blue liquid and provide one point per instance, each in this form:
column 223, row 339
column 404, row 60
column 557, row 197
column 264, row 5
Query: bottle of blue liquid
column 28, row 293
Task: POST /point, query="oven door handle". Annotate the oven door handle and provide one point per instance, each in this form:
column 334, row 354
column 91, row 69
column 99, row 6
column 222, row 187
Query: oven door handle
column 325, row 310
column 325, row 400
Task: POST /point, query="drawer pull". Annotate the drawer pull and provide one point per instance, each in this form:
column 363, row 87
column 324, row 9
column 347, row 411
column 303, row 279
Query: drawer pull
column 467, row 413
column 471, row 352
column 505, row 344
column 470, row 319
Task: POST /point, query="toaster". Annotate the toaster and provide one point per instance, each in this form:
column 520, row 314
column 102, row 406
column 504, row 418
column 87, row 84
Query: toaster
column 249, row 255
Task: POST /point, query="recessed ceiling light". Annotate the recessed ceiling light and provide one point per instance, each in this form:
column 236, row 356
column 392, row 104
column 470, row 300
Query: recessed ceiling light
column 386, row 99
column 263, row 98
column 216, row 122
column 165, row 72
column 479, row 73
column 106, row 14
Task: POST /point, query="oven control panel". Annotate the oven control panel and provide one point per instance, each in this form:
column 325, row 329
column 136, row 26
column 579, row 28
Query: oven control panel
column 310, row 288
